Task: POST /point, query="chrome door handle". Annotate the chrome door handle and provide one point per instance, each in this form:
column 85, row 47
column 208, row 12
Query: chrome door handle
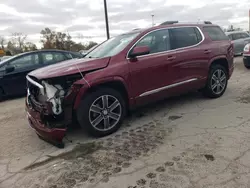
column 171, row 58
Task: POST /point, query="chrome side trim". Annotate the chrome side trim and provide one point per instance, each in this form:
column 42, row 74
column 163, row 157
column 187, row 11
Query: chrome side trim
column 167, row 87
column 167, row 28
column 36, row 84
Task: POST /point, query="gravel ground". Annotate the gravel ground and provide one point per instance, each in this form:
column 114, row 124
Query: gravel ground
column 186, row 141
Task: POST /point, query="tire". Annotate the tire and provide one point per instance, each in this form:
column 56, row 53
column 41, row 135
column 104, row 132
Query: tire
column 1, row 94
column 93, row 109
column 209, row 90
column 247, row 66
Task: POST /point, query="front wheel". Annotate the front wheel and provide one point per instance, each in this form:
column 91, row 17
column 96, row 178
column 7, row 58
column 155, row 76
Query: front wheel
column 101, row 112
column 217, row 82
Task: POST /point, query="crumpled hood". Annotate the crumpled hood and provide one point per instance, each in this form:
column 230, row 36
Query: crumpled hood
column 69, row 67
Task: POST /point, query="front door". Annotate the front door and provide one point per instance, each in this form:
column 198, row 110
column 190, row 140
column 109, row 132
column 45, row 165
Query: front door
column 152, row 74
column 14, row 83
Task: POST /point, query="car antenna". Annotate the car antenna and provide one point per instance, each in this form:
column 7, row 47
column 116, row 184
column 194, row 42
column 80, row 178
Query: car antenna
column 82, row 75
column 79, row 70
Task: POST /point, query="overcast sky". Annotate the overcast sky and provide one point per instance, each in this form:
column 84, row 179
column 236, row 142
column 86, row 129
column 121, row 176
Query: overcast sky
column 86, row 17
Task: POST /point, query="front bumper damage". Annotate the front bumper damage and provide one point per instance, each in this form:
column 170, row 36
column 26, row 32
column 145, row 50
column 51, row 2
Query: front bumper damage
column 49, row 125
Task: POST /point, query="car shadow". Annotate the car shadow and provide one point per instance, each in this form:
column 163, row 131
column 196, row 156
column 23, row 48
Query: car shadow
column 76, row 134
column 9, row 98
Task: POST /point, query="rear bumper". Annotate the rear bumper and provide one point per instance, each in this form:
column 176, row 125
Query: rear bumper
column 52, row 135
column 246, row 60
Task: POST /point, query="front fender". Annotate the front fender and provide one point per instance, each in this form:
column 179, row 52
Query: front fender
column 85, row 87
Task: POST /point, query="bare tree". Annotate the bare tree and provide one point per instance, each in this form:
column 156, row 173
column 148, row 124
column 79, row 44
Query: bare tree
column 2, row 42
column 18, row 40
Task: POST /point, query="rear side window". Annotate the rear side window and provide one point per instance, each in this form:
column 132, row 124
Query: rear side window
column 52, row 57
column 215, row 33
column 184, row 37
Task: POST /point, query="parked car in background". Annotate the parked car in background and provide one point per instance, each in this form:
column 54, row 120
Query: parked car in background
column 13, row 70
column 239, row 39
column 85, row 52
column 125, row 72
column 246, row 56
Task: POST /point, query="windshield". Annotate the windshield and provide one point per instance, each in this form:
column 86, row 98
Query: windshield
column 112, row 46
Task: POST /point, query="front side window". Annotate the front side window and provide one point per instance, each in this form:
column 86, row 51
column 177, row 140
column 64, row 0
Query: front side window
column 52, row 57
column 24, row 62
column 216, row 33
column 244, row 35
column 157, row 41
column 112, row 46
column 185, row 36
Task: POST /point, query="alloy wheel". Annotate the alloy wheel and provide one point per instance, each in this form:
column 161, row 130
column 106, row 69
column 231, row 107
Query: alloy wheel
column 218, row 81
column 105, row 112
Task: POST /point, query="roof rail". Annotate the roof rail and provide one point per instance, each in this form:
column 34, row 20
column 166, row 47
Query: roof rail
column 136, row 29
column 169, row 22
column 207, row 22
column 176, row 22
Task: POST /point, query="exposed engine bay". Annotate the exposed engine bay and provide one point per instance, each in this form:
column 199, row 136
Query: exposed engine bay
column 48, row 97
column 55, row 95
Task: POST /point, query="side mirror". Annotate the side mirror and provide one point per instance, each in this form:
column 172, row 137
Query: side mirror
column 9, row 69
column 139, row 50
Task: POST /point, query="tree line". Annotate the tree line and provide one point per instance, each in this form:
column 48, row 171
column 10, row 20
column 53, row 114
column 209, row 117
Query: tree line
column 49, row 39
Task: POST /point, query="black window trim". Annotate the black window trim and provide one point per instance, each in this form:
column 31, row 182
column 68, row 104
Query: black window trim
column 187, row 47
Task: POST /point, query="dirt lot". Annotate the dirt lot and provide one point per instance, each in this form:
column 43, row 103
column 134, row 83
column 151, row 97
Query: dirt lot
column 186, row 141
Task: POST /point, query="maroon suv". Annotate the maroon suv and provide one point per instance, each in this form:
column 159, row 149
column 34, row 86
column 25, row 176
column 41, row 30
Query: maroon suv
column 127, row 71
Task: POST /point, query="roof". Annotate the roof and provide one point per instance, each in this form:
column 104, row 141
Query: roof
column 45, row 50
column 140, row 30
column 234, row 32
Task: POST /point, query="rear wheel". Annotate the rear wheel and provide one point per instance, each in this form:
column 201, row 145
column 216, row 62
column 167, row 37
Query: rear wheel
column 1, row 94
column 217, row 82
column 101, row 112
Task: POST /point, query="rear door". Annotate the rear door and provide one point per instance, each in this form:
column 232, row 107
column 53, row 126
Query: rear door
column 219, row 43
column 14, row 83
column 192, row 56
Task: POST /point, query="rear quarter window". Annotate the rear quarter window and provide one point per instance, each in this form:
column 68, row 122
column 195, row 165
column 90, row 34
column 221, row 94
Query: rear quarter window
column 215, row 33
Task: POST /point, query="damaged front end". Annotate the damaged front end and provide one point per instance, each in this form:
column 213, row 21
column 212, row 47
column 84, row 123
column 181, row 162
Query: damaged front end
column 49, row 106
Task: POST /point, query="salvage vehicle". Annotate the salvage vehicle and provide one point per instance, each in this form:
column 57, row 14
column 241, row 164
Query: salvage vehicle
column 246, row 56
column 14, row 69
column 125, row 72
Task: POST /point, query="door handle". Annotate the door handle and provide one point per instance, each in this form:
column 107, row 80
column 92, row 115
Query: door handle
column 171, row 58
column 207, row 51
